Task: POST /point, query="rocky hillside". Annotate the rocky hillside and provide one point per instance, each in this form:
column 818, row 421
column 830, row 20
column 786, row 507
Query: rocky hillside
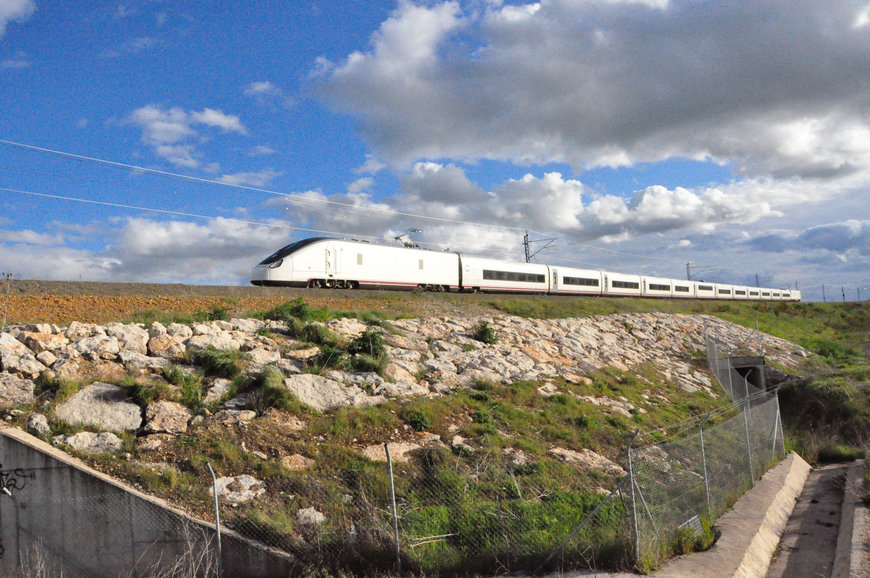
column 263, row 398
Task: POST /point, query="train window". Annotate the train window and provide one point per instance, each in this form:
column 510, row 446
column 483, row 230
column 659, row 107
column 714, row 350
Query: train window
column 739, row 292
column 359, row 258
column 284, row 251
column 776, row 294
column 421, row 264
column 765, row 294
column 626, row 285
column 724, row 291
column 581, row 281
column 753, row 293
column 681, row 288
column 513, row 276
column 659, row 287
column 705, row 287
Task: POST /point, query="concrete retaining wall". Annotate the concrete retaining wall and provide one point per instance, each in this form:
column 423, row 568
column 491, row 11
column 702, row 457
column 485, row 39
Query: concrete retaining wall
column 75, row 520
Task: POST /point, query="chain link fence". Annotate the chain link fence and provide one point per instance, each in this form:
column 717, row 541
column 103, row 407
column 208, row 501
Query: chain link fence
column 453, row 516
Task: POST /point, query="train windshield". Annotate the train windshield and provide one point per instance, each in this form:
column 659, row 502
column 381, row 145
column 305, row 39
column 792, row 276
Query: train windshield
column 284, row 251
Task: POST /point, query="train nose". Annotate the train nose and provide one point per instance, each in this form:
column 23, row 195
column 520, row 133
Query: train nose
column 260, row 274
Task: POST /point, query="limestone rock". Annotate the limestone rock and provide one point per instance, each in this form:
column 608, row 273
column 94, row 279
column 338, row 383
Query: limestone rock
column 39, row 342
column 296, row 462
column 228, row 417
column 321, row 393
column 16, row 390
column 309, row 517
column 219, row 388
column 239, row 489
column 220, row 341
column 130, row 337
column 166, row 417
column 153, row 442
column 38, row 424
column 92, row 443
column 165, row 346
column 98, row 347
column 101, row 405
column 588, row 460
column 136, row 362
column 399, row 452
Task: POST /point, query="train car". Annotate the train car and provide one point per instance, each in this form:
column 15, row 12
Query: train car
column 569, row 281
column 621, row 285
column 741, row 293
column 324, row 262
column 657, row 287
column 492, row 275
column 684, row 289
column 724, row 291
column 705, row 290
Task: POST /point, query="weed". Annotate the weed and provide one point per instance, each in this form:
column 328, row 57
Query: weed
column 328, row 357
column 216, row 362
column 368, row 363
column 418, row 420
column 370, row 343
column 484, row 333
column 319, row 335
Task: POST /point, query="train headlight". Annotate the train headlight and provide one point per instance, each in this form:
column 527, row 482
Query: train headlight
column 276, row 264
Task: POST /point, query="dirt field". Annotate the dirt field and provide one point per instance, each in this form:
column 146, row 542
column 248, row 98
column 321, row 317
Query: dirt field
column 60, row 302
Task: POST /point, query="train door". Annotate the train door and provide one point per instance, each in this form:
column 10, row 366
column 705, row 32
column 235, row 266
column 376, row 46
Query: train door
column 332, row 265
column 555, row 286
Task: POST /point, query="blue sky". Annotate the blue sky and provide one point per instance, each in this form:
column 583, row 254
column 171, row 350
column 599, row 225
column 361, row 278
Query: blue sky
column 641, row 134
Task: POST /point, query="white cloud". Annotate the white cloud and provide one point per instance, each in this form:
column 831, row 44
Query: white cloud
column 616, row 83
column 14, row 11
column 360, row 185
column 268, row 93
column 171, row 133
column 28, row 237
column 20, row 60
column 254, row 179
column 218, row 119
column 262, row 151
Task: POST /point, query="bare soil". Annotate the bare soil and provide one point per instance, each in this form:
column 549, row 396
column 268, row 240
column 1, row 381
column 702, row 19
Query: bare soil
column 60, row 302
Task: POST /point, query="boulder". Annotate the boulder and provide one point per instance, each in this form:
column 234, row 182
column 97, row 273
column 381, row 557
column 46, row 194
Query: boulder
column 166, row 417
column 130, row 337
column 92, row 443
column 38, row 424
column 39, row 342
column 16, row 390
column 399, row 452
column 221, row 341
column 98, row 347
column 165, row 346
column 296, row 462
column 309, row 517
column 135, row 362
column 153, row 442
column 586, row 459
column 101, row 405
column 239, row 489
column 321, row 393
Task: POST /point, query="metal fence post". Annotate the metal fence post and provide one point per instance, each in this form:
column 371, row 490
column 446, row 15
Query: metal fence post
column 748, row 440
column 706, row 478
column 395, row 515
column 217, row 519
column 633, row 498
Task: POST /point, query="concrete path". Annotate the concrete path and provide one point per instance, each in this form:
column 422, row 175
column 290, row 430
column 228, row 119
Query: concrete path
column 809, row 543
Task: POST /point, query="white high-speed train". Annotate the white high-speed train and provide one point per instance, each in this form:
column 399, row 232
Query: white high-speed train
column 351, row 264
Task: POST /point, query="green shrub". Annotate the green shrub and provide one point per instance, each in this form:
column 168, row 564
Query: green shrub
column 297, row 309
column 418, row 419
column 368, row 363
column 319, row 335
column 329, row 357
column 220, row 363
column 839, row 453
column 370, row 343
column 484, row 333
